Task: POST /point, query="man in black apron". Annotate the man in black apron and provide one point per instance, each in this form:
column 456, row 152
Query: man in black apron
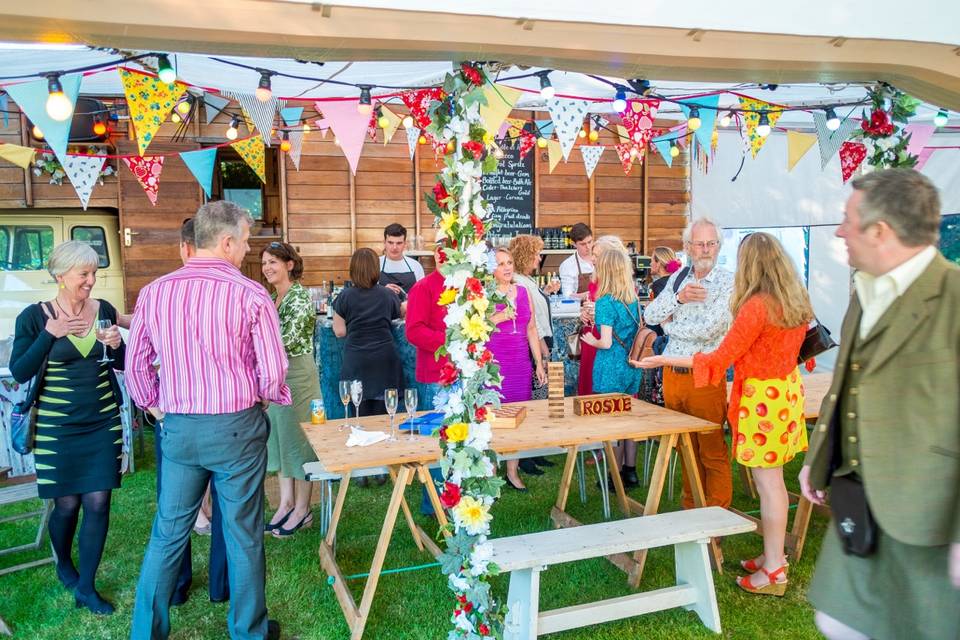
column 398, row 272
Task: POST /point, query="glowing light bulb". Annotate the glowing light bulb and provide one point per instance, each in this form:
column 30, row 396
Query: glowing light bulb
column 763, row 128
column 285, row 142
column 594, row 136
column 59, row 106
column 408, row 122
column 165, row 70
column 582, row 133
column 264, row 92
column 674, row 150
column 833, row 122
column 306, row 127
column 546, row 89
column 175, row 118
column 542, row 142
column 383, row 122
column 941, row 119
column 422, row 140
column 184, row 106
column 693, row 122
column 620, row 101
column 365, row 106
column 450, row 146
column 99, row 127
column 726, row 119
column 37, row 133
column 232, row 129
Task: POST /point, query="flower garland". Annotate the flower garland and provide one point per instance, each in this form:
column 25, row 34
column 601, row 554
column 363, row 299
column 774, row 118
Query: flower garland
column 471, row 376
column 885, row 141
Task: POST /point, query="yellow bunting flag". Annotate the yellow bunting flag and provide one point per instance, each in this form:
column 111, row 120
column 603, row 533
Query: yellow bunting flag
column 149, row 101
column 516, row 126
column 252, row 152
column 751, row 120
column 395, row 121
column 797, row 145
column 555, row 153
column 20, row 156
column 500, row 101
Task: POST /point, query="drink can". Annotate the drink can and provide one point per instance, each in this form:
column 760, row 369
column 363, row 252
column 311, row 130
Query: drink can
column 317, row 413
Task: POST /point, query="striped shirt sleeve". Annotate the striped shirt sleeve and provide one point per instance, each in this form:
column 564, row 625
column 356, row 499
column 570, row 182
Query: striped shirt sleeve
column 141, row 377
column 271, row 365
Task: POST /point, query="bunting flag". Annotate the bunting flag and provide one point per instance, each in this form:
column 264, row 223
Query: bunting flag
column 413, row 137
column 567, row 116
column 201, row 164
column 146, row 169
column 349, row 125
column 622, row 135
column 252, row 152
column 372, row 126
column 291, row 115
column 214, row 106
column 322, row 126
column 150, row 102
column 500, row 101
column 591, row 156
column 626, row 160
column 296, row 147
column 851, row 155
column 31, row 97
column 4, row 104
column 544, row 127
column 637, row 120
column 20, row 156
column 83, row 171
column 418, row 102
column 554, row 153
column 395, row 121
column 751, row 120
column 922, row 158
column 707, row 107
column 829, row 141
column 527, row 141
column 797, row 146
column 919, row 136
column 515, row 126
column 663, row 146
column 262, row 114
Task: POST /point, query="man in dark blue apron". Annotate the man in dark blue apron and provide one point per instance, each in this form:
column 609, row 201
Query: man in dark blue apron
column 398, row 272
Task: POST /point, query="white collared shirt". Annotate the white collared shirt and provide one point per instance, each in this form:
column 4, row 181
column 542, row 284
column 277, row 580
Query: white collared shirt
column 877, row 293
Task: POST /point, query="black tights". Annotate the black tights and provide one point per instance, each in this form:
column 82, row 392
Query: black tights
column 93, row 534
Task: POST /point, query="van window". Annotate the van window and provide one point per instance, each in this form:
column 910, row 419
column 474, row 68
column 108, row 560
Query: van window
column 4, row 249
column 95, row 237
column 32, row 246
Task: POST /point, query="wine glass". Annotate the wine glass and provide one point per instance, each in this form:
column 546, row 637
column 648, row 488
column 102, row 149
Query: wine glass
column 410, row 402
column 390, row 399
column 356, row 394
column 345, row 399
column 103, row 331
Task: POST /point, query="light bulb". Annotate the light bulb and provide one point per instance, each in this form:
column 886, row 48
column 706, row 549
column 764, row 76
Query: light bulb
column 620, row 101
column 184, row 105
column 941, row 119
column 693, row 122
column 422, row 140
column 365, row 106
column 582, row 133
column 542, row 142
column 450, row 146
column 546, row 89
column 384, row 122
column 674, row 150
column 726, row 119
column 264, row 92
column 408, row 122
column 284, row 141
column 306, row 127
column 175, row 118
column 99, row 127
column 763, row 128
column 165, row 70
column 37, row 133
column 232, row 129
column 833, row 122
column 59, row 106
column 594, row 136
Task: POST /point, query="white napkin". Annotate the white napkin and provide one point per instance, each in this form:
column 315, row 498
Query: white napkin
column 361, row 438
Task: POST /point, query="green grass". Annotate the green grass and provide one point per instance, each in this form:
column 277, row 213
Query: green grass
column 409, row 605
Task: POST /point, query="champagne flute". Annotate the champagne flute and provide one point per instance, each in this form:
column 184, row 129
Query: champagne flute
column 410, row 402
column 390, row 399
column 356, row 394
column 103, row 331
column 345, row 399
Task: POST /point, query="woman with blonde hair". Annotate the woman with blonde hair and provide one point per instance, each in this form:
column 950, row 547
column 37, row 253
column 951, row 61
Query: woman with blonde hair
column 771, row 310
column 587, row 352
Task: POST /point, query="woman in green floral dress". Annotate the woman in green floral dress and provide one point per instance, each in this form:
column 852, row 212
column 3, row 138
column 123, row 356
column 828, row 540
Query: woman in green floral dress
column 287, row 447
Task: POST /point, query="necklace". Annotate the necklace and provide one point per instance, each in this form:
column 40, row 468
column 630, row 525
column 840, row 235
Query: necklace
column 78, row 314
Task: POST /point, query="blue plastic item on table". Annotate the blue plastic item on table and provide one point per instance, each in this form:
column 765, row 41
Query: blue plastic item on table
column 424, row 424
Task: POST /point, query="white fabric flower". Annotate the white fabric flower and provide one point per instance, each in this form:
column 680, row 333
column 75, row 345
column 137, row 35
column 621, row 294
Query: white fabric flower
column 480, row 558
column 457, row 582
column 455, row 313
column 480, row 435
column 476, row 254
column 457, row 280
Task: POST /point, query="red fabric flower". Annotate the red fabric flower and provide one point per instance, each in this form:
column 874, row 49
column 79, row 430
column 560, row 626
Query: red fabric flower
column 483, row 629
column 878, row 124
column 471, row 74
column 440, row 192
column 468, row 606
column 477, row 224
column 448, row 373
column 449, row 499
column 443, row 433
column 472, row 348
column 486, row 357
column 480, row 414
column 474, row 286
column 441, row 256
column 475, row 148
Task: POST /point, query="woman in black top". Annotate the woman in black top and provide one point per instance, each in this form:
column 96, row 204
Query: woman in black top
column 79, row 434
column 363, row 313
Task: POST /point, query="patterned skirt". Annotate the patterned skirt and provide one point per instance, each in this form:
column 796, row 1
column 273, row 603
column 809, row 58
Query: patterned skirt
column 770, row 429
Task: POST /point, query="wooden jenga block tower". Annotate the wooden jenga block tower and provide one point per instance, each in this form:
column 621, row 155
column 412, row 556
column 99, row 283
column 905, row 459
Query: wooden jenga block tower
column 555, row 384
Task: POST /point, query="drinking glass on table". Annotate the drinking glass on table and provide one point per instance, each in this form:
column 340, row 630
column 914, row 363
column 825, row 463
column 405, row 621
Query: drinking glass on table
column 104, row 331
column 345, row 399
column 356, row 394
column 410, row 402
column 390, row 399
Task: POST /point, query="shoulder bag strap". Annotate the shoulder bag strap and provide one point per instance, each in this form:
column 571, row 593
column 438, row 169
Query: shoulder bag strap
column 681, row 276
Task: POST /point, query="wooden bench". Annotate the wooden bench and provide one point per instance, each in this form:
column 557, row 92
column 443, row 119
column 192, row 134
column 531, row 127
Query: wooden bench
column 688, row 531
column 20, row 491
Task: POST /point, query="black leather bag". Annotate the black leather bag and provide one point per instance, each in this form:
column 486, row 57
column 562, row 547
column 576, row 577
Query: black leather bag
column 23, row 419
column 852, row 517
column 816, row 341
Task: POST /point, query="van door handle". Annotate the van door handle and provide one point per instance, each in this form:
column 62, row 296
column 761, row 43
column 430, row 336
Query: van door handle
column 128, row 234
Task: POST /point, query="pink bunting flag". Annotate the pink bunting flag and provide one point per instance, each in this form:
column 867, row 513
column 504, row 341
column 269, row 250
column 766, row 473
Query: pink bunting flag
column 146, row 170
column 919, row 136
column 922, row 158
column 852, row 155
column 349, row 125
column 638, row 120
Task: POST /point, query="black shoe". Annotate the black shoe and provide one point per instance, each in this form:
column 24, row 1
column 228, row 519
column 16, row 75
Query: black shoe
column 380, row 479
column 94, row 603
column 515, row 487
column 528, row 466
column 273, row 630
column 179, row 598
column 543, row 461
column 629, row 477
column 68, row 578
column 304, row 523
column 271, row 528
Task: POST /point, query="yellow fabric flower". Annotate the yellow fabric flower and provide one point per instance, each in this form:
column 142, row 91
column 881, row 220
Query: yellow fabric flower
column 475, row 328
column 447, row 221
column 472, row 515
column 458, row 431
column 481, row 304
column 448, row 296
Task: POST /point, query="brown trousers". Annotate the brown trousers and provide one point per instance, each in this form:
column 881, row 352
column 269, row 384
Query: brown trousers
column 713, row 457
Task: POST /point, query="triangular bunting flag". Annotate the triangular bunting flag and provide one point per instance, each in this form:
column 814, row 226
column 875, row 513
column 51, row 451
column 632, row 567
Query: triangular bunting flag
column 638, row 121
column 262, row 114
column 291, row 115
column 214, row 106
column 31, row 97
column 527, row 141
column 554, row 153
column 296, row 147
column 150, row 102
column 707, row 108
column 349, row 125
column 515, row 126
column 372, row 126
column 418, row 102
column 622, row 135
column 201, row 164
column 567, row 116
column 20, row 156
column 851, row 155
column 83, row 171
column 663, row 146
column 4, row 103
column 591, row 156
column 147, row 171
column 626, row 160
column 544, row 127
column 829, row 141
column 252, row 152
column 413, row 136
column 500, row 101
column 797, row 146
column 751, row 120
column 923, row 157
column 919, row 136
column 395, row 121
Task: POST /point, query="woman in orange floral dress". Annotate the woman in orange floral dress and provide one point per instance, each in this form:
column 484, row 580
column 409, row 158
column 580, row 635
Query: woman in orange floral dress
column 771, row 310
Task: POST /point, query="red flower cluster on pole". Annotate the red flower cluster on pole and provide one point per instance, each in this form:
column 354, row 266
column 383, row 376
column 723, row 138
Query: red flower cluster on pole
column 879, row 124
column 485, row 357
column 475, row 148
column 450, row 496
column 471, row 74
column 475, row 286
column 477, row 225
column 449, row 373
column 440, row 192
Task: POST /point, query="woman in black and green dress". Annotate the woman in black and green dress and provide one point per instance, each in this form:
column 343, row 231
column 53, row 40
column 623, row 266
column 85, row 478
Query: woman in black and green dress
column 79, row 435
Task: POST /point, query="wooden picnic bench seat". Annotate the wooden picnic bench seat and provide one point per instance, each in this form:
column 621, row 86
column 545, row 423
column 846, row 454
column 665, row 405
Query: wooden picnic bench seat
column 689, row 532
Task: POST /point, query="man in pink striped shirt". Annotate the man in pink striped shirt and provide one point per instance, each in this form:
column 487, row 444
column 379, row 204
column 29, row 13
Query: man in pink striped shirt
column 218, row 336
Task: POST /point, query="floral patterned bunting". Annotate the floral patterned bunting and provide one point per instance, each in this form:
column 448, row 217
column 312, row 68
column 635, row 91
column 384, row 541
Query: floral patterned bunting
column 638, row 120
column 527, row 141
column 418, row 102
column 851, row 156
column 252, row 152
column 751, row 120
column 150, row 101
column 147, row 171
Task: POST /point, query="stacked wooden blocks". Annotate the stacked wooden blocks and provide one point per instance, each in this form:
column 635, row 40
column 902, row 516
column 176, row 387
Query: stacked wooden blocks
column 555, row 382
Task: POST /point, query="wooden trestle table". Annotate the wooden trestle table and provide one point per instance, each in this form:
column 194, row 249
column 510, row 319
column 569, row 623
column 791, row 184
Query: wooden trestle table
column 407, row 459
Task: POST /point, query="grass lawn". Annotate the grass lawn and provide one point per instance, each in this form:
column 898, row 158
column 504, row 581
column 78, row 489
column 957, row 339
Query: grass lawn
column 409, row 605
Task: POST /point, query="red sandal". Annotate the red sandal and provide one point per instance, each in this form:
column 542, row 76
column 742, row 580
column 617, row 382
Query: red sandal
column 774, row 588
column 751, row 564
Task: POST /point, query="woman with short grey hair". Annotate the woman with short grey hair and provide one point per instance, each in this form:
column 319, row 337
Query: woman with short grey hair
column 78, row 437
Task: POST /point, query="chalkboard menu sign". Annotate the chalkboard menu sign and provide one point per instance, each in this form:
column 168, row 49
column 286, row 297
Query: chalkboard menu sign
column 509, row 192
